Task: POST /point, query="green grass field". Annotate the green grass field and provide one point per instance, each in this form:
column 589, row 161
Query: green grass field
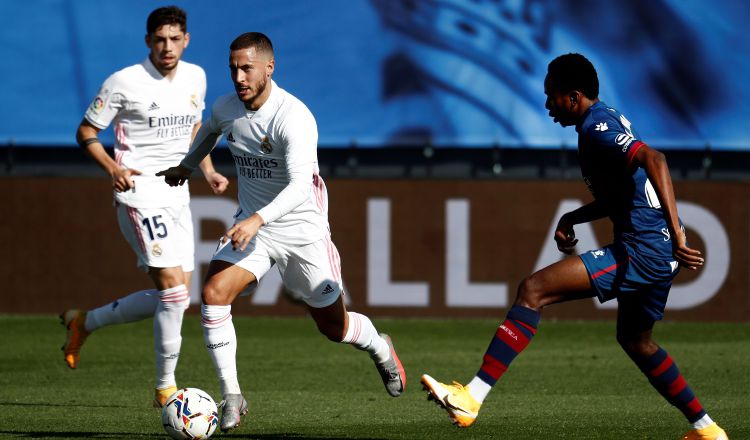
column 573, row 382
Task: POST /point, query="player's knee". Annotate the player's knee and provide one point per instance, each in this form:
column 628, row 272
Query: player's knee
column 167, row 277
column 636, row 344
column 529, row 293
column 213, row 294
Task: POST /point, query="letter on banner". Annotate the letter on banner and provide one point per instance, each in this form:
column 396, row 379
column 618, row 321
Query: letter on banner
column 716, row 267
column 460, row 292
column 381, row 291
column 713, row 274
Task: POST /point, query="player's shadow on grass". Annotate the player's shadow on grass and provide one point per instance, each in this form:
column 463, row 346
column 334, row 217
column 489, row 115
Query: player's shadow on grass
column 79, row 434
column 80, row 405
column 119, row 435
column 290, row 436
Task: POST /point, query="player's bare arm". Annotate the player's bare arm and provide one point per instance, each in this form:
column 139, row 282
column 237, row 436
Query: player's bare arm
column 655, row 165
column 242, row 232
column 565, row 236
column 216, row 181
column 87, row 138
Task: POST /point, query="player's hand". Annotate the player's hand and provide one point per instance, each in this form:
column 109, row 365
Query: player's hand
column 217, row 182
column 686, row 256
column 122, row 179
column 565, row 236
column 243, row 232
column 176, row 175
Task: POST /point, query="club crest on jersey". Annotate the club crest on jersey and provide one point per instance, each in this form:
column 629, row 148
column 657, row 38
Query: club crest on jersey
column 194, row 101
column 156, row 250
column 265, row 146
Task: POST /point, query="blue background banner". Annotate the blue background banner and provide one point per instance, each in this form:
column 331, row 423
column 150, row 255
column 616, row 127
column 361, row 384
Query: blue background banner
column 459, row 73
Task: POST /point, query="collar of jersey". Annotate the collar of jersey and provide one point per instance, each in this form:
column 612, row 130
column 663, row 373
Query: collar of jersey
column 154, row 72
column 587, row 113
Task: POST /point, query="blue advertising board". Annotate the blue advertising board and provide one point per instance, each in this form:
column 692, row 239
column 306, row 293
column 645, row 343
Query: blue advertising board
column 378, row 73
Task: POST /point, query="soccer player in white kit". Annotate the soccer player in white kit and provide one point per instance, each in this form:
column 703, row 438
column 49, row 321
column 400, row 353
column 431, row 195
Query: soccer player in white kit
column 155, row 107
column 282, row 219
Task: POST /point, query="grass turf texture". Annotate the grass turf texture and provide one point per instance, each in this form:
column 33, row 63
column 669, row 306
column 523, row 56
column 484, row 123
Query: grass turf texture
column 573, row 382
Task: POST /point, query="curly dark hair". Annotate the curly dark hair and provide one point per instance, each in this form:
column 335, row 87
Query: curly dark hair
column 166, row 15
column 574, row 71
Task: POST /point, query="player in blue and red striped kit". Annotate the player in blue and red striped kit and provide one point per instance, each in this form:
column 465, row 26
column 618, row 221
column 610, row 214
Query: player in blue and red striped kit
column 631, row 185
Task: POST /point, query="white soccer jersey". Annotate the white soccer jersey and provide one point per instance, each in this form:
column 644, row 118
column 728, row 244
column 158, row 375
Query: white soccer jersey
column 275, row 153
column 153, row 122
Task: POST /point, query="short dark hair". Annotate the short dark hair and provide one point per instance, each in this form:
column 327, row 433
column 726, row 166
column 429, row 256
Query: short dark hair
column 574, row 71
column 166, row 15
column 259, row 41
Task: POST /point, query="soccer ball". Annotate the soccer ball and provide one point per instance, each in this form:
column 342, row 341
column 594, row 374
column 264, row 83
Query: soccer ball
column 190, row 413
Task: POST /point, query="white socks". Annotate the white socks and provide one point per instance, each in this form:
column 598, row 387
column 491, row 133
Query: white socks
column 703, row 422
column 167, row 337
column 134, row 307
column 479, row 389
column 221, row 341
column 362, row 335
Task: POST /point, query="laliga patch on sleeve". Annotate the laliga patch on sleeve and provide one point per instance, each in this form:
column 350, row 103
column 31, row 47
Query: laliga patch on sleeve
column 98, row 103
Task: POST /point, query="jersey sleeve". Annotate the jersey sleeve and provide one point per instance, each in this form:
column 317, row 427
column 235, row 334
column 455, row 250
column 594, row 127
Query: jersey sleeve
column 107, row 103
column 202, row 95
column 300, row 135
column 615, row 138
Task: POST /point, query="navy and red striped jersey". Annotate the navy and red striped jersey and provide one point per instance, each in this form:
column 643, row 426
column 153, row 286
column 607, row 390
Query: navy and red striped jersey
column 607, row 144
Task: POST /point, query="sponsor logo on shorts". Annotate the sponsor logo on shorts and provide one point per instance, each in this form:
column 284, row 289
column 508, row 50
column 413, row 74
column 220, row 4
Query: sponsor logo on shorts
column 156, row 250
column 328, row 289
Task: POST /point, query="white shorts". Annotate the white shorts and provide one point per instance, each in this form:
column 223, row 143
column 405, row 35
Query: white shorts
column 160, row 237
column 311, row 272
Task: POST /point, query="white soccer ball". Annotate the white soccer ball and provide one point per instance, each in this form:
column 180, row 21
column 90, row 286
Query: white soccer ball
column 190, row 413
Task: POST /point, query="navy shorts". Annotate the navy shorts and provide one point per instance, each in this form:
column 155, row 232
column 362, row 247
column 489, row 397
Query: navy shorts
column 636, row 280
